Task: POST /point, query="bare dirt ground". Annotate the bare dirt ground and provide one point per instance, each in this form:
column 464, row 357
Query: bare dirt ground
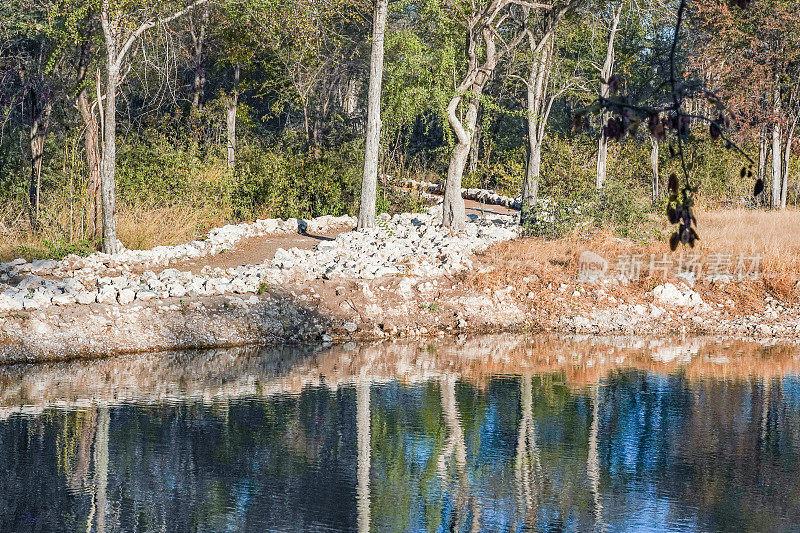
column 255, row 250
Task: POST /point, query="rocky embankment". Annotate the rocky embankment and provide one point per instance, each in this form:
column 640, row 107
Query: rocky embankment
column 101, row 304
column 406, row 277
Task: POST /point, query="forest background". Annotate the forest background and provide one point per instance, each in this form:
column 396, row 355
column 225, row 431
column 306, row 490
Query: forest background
column 233, row 110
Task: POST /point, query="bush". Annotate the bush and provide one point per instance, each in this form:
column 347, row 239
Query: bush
column 616, row 207
column 292, row 184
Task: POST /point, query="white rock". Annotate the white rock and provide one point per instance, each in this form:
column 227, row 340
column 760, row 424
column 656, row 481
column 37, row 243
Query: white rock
column 11, row 301
column 64, row 299
column 145, row 295
column 107, row 295
column 668, row 295
column 126, row 296
column 86, row 297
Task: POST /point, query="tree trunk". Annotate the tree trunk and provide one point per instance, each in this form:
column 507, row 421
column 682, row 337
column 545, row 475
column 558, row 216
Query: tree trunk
column 231, row 109
column 763, row 150
column 38, row 134
column 116, row 50
column 91, row 144
column 453, row 211
column 109, row 157
column 198, row 41
column 776, row 166
column 605, row 92
column 654, row 167
column 786, row 158
column 538, row 113
column 351, row 97
column 454, row 214
column 369, row 183
column 474, row 149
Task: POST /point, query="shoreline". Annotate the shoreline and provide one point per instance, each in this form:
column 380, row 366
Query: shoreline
column 407, row 278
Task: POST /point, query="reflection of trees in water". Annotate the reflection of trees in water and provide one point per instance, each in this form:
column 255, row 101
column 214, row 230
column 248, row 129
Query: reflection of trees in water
column 531, row 452
column 363, row 423
column 528, row 467
column 593, row 459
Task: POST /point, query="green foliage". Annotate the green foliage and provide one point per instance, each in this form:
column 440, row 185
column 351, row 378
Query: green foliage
column 57, row 249
column 289, row 183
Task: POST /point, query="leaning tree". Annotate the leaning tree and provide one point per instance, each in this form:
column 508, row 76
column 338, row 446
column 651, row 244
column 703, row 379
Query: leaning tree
column 493, row 29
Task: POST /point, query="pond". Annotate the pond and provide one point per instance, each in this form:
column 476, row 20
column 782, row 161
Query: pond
column 495, row 433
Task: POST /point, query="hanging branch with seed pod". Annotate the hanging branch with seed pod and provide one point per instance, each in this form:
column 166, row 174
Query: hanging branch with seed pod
column 671, row 121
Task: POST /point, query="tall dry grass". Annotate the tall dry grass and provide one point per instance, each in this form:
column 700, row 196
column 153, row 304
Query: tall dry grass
column 142, row 230
column 137, row 228
column 531, row 264
column 773, row 234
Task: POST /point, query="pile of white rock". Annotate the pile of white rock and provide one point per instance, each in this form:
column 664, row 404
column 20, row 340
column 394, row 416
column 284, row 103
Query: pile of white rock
column 412, row 244
column 217, row 241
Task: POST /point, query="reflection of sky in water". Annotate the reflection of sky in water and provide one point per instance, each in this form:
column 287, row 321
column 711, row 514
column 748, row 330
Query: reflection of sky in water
column 673, row 455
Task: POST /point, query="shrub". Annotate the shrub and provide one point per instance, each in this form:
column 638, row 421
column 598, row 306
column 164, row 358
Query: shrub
column 293, row 184
column 616, row 207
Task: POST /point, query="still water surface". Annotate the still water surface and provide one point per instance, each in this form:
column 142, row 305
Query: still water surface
column 488, row 434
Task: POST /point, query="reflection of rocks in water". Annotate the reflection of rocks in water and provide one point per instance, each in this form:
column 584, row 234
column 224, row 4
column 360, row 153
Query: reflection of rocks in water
column 240, row 372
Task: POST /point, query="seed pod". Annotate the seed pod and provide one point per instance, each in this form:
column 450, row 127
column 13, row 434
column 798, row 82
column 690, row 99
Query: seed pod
column 672, row 214
column 673, row 184
column 714, row 131
column 674, row 241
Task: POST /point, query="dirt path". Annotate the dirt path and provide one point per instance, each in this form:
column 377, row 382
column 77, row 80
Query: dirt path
column 256, row 250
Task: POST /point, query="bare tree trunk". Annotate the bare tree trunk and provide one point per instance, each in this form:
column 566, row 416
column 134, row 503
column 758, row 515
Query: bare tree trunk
column 38, row 134
column 538, row 114
column 109, row 158
column 454, row 214
column 786, row 158
column 763, row 149
column 776, row 166
column 605, row 92
column 776, row 148
column 369, row 183
column 654, row 167
column 198, row 35
column 91, row 143
column 115, row 55
column 351, row 97
column 474, row 149
column 453, row 211
column 231, row 109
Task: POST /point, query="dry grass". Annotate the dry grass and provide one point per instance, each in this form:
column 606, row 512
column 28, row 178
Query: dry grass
column 541, row 266
column 137, row 229
column 773, row 234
